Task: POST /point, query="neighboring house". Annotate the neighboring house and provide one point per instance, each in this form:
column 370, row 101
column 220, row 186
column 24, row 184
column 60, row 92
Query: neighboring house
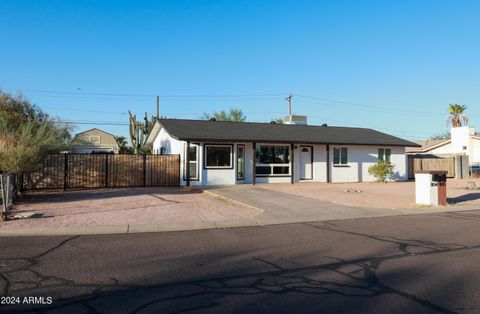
column 94, row 141
column 223, row 152
column 463, row 141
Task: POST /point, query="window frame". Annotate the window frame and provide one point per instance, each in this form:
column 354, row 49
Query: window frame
column 244, row 162
column 273, row 165
column 383, row 156
column 340, row 155
column 197, row 174
column 97, row 138
column 205, row 166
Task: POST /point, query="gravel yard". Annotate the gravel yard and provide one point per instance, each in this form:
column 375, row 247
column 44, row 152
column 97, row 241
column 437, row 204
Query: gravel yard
column 377, row 195
column 124, row 206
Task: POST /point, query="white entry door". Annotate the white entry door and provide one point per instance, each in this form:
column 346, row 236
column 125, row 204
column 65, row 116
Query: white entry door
column 306, row 163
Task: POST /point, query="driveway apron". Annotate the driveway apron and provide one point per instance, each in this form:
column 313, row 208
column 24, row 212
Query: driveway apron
column 279, row 207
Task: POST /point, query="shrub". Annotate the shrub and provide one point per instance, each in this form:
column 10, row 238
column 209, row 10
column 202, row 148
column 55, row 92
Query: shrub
column 27, row 134
column 381, row 170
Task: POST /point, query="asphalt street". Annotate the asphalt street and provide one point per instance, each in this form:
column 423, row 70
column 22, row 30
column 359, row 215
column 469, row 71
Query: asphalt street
column 402, row 264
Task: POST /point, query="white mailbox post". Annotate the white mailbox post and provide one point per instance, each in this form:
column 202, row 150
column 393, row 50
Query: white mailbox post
column 430, row 188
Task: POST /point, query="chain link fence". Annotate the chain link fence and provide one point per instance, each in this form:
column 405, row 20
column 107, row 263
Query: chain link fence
column 10, row 184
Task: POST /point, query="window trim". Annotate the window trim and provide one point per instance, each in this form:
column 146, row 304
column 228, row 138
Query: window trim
column 244, row 163
column 217, row 167
column 197, row 175
column 97, row 138
column 273, row 175
column 384, row 156
column 339, row 164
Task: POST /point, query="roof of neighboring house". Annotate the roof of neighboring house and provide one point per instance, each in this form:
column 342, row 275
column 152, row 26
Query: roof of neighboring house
column 95, row 129
column 107, row 139
column 223, row 131
column 426, row 145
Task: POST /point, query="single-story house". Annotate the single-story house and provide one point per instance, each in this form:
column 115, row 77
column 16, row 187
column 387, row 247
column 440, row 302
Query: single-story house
column 94, row 141
column 464, row 141
column 221, row 152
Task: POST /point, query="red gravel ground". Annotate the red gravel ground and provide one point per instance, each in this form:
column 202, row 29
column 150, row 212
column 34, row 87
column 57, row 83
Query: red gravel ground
column 124, row 206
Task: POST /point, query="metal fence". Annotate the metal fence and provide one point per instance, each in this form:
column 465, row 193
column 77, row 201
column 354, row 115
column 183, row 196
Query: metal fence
column 9, row 188
column 66, row 171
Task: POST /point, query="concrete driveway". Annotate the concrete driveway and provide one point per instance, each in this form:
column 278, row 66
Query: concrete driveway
column 282, row 207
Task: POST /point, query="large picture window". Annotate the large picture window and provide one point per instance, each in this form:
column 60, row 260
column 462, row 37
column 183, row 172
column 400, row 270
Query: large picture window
column 218, row 156
column 272, row 160
column 193, row 162
column 240, row 162
column 384, row 154
column 340, row 156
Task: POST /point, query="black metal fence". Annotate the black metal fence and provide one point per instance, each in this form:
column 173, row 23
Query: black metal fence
column 9, row 187
column 66, row 171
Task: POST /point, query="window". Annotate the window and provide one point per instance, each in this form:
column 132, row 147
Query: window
column 218, row 156
column 272, row 160
column 340, row 156
column 240, row 162
column 193, row 160
column 95, row 139
column 384, row 154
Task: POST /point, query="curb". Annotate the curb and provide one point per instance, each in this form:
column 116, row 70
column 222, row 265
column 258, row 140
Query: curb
column 227, row 199
column 128, row 229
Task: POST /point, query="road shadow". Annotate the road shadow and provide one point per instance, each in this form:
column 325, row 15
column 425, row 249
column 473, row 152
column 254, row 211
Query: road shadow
column 59, row 196
column 337, row 285
column 464, row 198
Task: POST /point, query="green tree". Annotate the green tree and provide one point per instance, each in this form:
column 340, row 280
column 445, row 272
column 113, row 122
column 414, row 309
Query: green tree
column 440, row 136
column 381, row 170
column 235, row 115
column 27, row 134
column 123, row 145
column 456, row 117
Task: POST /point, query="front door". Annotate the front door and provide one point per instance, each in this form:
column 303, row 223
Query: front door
column 306, row 163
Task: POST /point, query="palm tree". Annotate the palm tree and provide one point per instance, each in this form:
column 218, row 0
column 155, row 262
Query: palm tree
column 235, row 115
column 456, row 117
column 123, row 145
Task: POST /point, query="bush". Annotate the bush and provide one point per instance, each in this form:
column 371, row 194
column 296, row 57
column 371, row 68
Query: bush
column 382, row 170
column 27, row 134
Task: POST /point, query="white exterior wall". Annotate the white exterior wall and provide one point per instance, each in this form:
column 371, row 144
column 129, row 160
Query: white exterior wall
column 474, row 152
column 460, row 139
column 360, row 158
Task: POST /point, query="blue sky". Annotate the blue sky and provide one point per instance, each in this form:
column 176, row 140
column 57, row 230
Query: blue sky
column 390, row 65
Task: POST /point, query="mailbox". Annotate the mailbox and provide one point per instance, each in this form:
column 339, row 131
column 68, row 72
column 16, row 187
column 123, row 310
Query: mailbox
column 431, row 188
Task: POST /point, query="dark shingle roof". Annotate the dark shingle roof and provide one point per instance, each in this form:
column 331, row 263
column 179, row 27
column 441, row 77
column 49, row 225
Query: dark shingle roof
column 222, row 131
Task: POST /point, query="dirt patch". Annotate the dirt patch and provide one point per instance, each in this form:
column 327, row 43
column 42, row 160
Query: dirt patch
column 124, row 206
column 393, row 195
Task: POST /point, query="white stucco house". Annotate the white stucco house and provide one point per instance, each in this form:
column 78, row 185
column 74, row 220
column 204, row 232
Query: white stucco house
column 464, row 141
column 242, row 152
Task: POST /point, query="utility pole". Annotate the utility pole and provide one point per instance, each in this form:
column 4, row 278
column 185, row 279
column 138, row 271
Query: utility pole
column 289, row 99
column 158, row 107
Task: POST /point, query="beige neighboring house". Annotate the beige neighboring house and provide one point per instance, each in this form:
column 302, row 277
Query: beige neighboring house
column 463, row 141
column 94, row 141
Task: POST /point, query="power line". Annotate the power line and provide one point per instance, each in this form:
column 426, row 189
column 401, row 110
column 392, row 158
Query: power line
column 349, row 105
column 147, row 95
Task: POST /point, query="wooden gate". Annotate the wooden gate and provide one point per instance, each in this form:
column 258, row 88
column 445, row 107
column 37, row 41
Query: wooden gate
column 64, row 171
column 419, row 163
